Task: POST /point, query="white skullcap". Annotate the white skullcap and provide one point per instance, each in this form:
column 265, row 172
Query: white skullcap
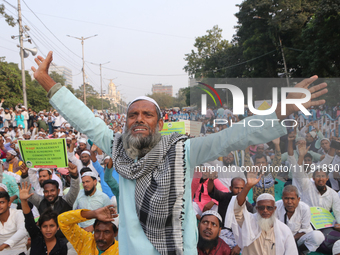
column 336, row 247
column 107, row 157
column 211, row 212
column 68, row 138
column 19, row 125
column 147, row 99
column 67, row 125
column 82, row 140
column 89, row 173
column 28, row 133
column 325, row 139
column 20, row 137
column 45, row 169
column 265, row 196
column 13, row 152
column 85, row 152
column 313, row 134
column 300, row 138
column 116, row 222
column 4, row 187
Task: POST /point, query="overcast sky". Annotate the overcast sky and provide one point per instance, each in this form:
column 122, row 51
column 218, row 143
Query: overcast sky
column 144, row 37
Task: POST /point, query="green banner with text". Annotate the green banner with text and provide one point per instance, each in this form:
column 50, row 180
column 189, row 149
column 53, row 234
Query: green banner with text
column 321, row 218
column 49, row 153
column 172, row 127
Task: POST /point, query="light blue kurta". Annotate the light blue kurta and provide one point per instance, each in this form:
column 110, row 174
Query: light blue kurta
column 132, row 239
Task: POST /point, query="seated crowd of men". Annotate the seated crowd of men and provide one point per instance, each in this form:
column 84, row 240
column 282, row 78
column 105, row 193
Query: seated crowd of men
column 77, row 207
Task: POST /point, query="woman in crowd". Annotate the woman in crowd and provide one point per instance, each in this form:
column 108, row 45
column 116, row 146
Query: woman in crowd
column 43, row 239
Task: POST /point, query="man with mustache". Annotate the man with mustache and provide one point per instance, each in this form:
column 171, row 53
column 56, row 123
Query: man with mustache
column 101, row 241
column 316, row 193
column 262, row 232
column 209, row 230
column 155, row 171
column 89, row 197
column 296, row 215
column 50, row 198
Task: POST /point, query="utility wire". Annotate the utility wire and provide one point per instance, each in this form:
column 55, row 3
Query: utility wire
column 125, row 28
column 50, row 30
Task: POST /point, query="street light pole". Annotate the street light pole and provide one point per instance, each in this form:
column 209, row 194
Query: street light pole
column 21, row 40
column 101, row 79
column 82, row 44
column 284, row 62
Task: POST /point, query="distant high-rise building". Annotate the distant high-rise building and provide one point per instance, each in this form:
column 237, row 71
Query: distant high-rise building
column 160, row 88
column 63, row 71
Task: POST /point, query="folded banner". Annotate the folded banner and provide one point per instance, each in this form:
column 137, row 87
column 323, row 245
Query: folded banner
column 49, row 153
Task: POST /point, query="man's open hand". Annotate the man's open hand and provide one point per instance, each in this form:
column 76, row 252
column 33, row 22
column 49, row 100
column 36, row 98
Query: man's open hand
column 41, row 74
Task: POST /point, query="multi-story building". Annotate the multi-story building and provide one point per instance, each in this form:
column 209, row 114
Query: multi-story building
column 160, row 88
column 63, row 71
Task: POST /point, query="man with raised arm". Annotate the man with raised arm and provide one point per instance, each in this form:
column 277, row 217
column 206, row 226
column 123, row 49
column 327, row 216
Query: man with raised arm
column 259, row 233
column 155, row 171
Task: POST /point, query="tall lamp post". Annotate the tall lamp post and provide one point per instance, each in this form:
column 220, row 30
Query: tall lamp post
column 82, row 44
column 101, row 79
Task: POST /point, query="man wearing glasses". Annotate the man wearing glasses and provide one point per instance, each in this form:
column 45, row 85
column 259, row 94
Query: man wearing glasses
column 262, row 232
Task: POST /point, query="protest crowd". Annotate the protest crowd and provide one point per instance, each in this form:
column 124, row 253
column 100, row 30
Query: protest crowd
column 255, row 200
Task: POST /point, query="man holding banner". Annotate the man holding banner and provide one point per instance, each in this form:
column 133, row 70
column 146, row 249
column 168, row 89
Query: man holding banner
column 155, row 181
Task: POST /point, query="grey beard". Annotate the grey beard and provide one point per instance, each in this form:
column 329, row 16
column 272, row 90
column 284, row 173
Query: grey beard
column 266, row 224
column 139, row 146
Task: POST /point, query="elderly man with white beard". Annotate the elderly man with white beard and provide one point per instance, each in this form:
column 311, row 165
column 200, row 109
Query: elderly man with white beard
column 155, row 171
column 259, row 233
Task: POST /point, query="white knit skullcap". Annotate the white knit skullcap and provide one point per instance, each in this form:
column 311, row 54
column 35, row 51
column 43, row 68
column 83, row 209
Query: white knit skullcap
column 325, row 139
column 211, row 212
column 13, row 152
column 89, row 173
column 116, row 221
column 85, row 152
column 265, row 196
column 313, row 134
column 82, row 140
column 147, row 99
column 4, row 187
column 107, row 157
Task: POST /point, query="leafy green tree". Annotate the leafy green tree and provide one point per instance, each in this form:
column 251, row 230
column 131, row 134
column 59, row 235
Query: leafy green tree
column 11, row 88
column 70, row 88
column 10, row 84
column 206, row 46
column 320, row 37
column 163, row 100
column 57, row 78
column 90, row 91
column 96, row 103
column 8, row 18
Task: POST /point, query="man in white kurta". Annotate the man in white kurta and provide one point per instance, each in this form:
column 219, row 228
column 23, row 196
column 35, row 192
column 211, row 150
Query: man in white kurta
column 251, row 235
column 314, row 193
column 296, row 215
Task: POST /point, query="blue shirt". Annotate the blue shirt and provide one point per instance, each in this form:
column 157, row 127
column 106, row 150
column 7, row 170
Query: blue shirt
column 106, row 189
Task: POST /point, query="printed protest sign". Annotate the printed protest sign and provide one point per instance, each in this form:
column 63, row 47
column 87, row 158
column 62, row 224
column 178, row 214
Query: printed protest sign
column 321, row 218
column 193, row 127
column 50, row 153
column 172, row 127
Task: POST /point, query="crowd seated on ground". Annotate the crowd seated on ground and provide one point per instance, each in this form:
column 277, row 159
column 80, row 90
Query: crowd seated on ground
column 286, row 177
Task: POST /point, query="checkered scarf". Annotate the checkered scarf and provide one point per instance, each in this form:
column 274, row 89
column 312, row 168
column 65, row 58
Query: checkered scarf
column 160, row 178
